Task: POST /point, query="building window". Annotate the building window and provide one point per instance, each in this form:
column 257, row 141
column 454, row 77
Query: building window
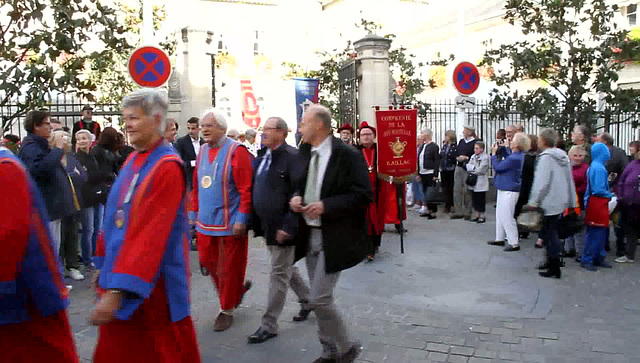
column 222, row 46
column 256, row 43
column 631, row 14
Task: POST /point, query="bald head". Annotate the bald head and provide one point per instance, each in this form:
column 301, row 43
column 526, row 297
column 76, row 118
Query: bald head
column 316, row 124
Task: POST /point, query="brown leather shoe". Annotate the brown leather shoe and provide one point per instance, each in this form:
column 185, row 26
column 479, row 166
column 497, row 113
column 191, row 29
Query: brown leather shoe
column 223, row 322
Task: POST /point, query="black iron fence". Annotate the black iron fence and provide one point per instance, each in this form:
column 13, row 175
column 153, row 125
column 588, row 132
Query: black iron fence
column 441, row 116
column 67, row 108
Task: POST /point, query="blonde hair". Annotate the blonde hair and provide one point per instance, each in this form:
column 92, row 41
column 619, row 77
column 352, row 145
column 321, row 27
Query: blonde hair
column 89, row 134
column 575, row 149
column 523, row 141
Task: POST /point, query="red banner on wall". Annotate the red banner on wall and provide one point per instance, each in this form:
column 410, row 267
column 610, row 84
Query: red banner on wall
column 397, row 154
column 250, row 109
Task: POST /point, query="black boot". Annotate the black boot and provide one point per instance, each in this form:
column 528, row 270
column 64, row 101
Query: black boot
column 544, row 265
column 554, row 268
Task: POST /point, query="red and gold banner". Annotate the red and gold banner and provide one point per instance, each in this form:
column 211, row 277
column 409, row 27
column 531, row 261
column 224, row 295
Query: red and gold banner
column 397, row 156
column 250, row 108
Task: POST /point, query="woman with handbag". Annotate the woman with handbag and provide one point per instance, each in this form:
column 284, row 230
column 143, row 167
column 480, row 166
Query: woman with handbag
column 428, row 168
column 508, row 181
column 478, row 181
column 553, row 191
column 629, row 201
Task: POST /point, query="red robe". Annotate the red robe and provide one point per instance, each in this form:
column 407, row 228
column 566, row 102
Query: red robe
column 150, row 335
column 376, row 210
column 391, row 212
column 41, row 339
column 226, row 257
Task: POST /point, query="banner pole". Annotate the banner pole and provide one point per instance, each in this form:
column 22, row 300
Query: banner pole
column 400, row 209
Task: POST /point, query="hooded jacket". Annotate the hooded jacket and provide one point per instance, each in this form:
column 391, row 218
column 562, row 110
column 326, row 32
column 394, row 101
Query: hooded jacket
column 553, row 188
column 597, row 176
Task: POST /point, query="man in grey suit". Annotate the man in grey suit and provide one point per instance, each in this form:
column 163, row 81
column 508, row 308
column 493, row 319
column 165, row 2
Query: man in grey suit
column 274, row 182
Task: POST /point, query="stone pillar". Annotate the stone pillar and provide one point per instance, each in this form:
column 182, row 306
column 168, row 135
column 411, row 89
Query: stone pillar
column 193, row 70
column 374, row 73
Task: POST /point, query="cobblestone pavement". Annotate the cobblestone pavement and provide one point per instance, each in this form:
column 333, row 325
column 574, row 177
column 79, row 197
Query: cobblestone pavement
column 449, row 298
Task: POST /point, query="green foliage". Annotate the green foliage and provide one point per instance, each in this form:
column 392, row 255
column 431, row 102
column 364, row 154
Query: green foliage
column 45, row 46
column 403, row 67
column 574, row 47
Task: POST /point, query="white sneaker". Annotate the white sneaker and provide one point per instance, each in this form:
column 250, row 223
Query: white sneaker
column 75, row 274
column 417, row 208
column 623, row 259
column 423, row 210
column 69, row 287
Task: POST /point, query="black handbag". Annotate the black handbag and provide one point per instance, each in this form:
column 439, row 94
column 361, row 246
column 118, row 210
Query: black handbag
column 434, row 194
column 472, row 180
column 569, row 225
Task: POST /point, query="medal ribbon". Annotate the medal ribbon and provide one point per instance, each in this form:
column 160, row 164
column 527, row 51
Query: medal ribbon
column 125, row 194
column 366, row 158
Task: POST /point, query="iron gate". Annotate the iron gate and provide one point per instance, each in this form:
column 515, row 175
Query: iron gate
column 348, row 80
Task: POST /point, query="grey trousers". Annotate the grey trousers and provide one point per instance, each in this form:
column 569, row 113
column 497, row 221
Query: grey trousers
column 461, row 193
column 283, row 274
column 332, row 331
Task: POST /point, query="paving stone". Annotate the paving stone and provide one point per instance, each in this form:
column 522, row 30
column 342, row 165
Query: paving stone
column 480, row 329
column 458, row 359
column 435, row 347
column 489, row 338
column 501, row 331
column 479, row 360
column 510, row 339
column 524, row 333
column 509, row 355
column 453, row 341
column 514, row 326
column 437, row 356
column 536, row 358
column 485, row 354
column 468, row 351
column 473, row 321
column 549, row 336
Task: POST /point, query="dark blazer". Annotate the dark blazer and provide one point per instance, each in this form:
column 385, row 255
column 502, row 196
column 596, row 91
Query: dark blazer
column 45, row 167
column 431, row 157
column 96, row 188
column 272, row 193
column 448, row 157
column 346, row 193
column 187, row 153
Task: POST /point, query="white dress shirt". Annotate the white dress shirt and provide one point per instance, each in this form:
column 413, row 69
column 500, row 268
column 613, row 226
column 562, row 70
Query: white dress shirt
column 196, row 148
column 324, row 154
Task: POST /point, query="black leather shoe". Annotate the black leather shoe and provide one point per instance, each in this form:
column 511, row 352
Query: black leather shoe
column 496, row 243
column 325, row 360
column 510, row 248
column 302, row 315
column 350, row 355
column 260, row 336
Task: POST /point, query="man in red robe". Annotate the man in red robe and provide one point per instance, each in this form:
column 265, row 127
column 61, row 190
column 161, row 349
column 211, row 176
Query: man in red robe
column 143, row 309
column 376, row 210
column 222, row 201
column 34, row 326
column 388, row 191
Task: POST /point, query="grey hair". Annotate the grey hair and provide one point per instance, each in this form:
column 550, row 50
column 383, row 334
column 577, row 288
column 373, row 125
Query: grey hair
column 427, row 132
column 217, row 116
column 549, row 137
column 281, row 124
column 233, row 132
column 323, row 114
column 250, row 133
column 607, row 138
column 151, row 101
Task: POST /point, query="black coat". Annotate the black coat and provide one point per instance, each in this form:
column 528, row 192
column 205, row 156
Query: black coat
column 346, row 193
column 96, row 188
column 185, row 149
column 528, row 169
column 431, row 157
column 107, row 162
column 448, row 157
column 272, row 193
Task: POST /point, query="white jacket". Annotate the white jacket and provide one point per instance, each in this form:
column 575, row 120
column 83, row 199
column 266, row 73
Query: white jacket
column 480, row 165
